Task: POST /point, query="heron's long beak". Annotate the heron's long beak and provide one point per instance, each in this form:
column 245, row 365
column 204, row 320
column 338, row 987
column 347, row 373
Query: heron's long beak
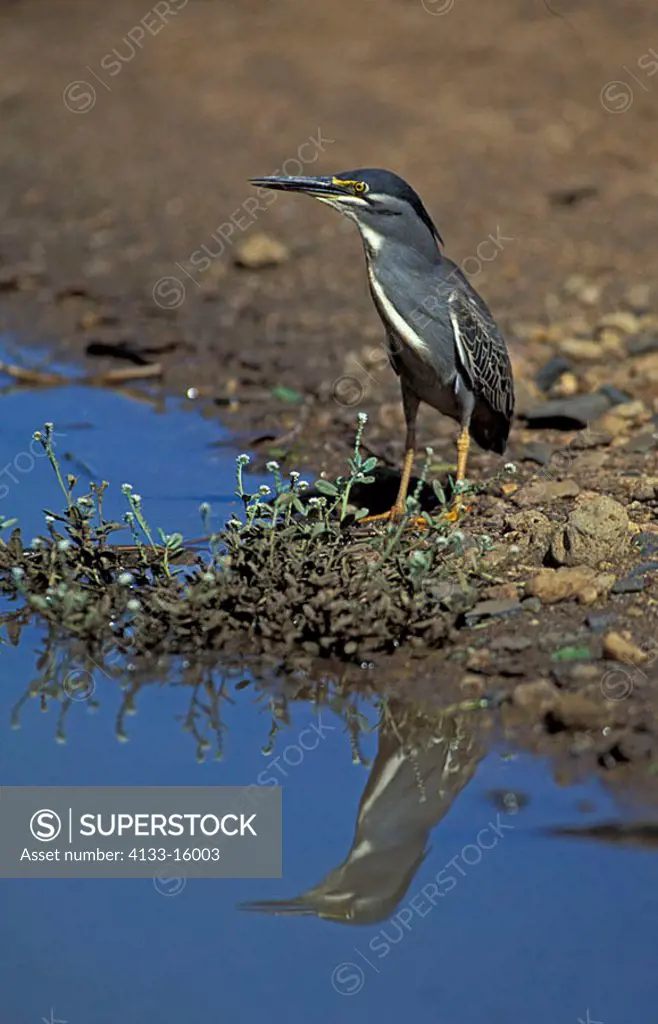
column 292, row 906
column 319, row 186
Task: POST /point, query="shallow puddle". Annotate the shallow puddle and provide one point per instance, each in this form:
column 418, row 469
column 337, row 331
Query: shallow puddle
column 419, row 881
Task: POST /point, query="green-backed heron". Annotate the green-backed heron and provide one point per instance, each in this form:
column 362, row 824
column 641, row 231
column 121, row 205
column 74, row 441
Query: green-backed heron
column 443, row 341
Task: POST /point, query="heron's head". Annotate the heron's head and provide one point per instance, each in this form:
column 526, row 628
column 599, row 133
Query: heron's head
column 383, row 205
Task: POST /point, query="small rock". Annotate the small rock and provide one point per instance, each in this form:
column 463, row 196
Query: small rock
column 260, row 251
column 542, row 492
column 596, row 529
column 622, row 321
column 616, row 395
column 631, row 410
column 587, row 461
column 585, row 291
column 642, row 443
column 502, row 592
column 642, row 343
column 551, row 372
column 579, row 349
column 617, row 647
column 638, row 298
column 567, row 386
column 478, row 661
column 568, row 413
column 628, row 585
column 645, row 368
column 640, row 489
column 492, row 609
column 585, row 672
column 537, row 452
column 647, row 543
column 611, row 342
column 599, row 623
column 531, row 604
column 615, row 425
column 530, row 529
column 591, row 437
column 581, row 582
column 646, row 567
column 94, row 318
column 539, row 696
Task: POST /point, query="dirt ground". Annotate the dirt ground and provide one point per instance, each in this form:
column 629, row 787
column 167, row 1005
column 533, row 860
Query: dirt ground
column 529, row 129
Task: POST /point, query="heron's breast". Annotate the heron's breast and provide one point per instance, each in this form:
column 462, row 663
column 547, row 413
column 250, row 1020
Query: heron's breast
column 405, row 333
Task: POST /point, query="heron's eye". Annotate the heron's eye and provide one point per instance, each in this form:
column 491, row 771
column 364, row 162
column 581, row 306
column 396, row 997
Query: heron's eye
column 360, row 186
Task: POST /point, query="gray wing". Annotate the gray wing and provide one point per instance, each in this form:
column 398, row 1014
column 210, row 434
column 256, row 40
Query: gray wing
column 453, row 327
column 481, row 350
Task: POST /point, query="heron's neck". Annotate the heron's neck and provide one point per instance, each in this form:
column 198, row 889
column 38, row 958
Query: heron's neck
column 377, row 246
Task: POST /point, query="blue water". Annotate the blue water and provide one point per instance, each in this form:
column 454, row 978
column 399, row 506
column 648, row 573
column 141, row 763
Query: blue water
column 535, row 929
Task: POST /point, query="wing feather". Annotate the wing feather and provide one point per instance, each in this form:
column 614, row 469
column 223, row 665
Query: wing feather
column 481, row 352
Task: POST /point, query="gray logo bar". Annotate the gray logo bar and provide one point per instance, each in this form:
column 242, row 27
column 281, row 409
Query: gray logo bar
column 167, row 833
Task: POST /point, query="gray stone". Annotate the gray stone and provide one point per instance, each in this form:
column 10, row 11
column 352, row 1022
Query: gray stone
column 596, row 530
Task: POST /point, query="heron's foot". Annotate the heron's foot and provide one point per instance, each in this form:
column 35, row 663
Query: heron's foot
column 396, row 515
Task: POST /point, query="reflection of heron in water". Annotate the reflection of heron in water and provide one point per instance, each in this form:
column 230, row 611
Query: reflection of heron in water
column 411, row 787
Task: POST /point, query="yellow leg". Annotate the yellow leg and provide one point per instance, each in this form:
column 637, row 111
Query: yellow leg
column 410, row 402
column 401, row 501
column 463, row 445
column 400, row 506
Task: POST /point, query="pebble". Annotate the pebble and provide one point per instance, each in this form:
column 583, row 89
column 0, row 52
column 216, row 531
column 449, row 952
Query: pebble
column 530, row 529
column 616, row 396
column 640, row 489
column 588, row 461
column 645, row 368
column 641, row 343
column 542, row 492
column 638, row 298
column 599, row 623
column 259, row 251
column 540, row 694
column 642, row 443
column 502, row 592
column 631, row 410
column 567, row 386
column 492, row 609
column 580, row 349
column 568, row 413
column 581, row 582
column 582, row 672
column 646, row 567
column 646, row 542
column 621, row 320
column 551, row 372
column 585, row 291
column 537, row 452
column 633, row 584
column 617, row 647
